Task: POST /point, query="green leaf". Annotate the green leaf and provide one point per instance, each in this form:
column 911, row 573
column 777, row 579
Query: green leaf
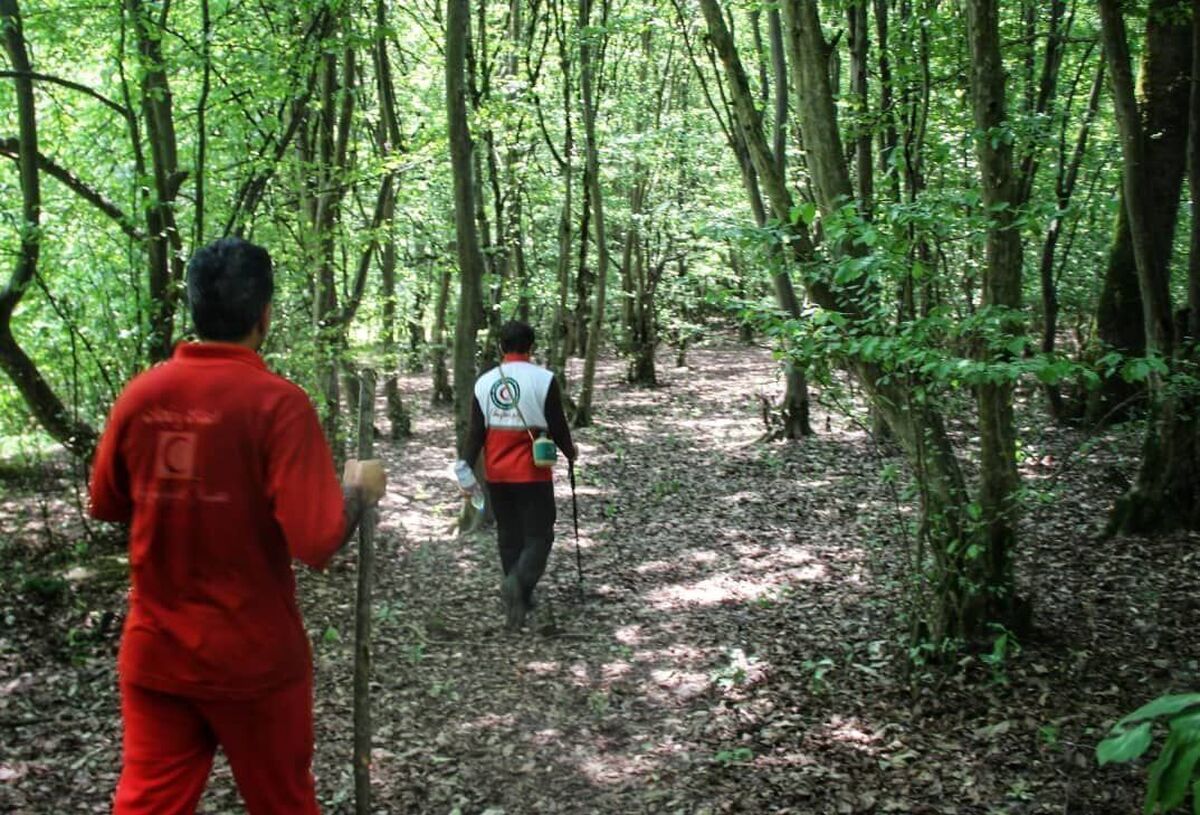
column 1124, row 747
column 1157, row 771
column 805, row 212
column 1162, row 706
column 1175, row 777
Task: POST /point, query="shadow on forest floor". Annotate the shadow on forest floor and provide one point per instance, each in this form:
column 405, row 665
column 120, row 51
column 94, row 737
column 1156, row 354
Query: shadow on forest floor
column 737, row 647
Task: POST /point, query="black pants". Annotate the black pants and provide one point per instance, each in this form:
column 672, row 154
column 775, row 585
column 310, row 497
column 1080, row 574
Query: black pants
column 525, row 515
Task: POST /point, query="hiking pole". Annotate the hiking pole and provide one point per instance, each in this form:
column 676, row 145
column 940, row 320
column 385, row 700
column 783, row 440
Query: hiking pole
column 575, row 515
column 362, row 610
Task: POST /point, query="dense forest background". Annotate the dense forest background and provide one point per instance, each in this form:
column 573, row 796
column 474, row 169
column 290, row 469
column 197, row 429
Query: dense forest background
column 954, row 224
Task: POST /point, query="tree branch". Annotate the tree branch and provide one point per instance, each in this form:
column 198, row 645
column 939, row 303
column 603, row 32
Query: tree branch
column 67, row 83
column 11, row 148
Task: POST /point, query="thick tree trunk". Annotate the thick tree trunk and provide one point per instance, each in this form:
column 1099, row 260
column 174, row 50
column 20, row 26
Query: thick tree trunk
column 43, row 403
column 808, row 56
column 1192, row 334
column 470, row 257
column 583, row 409
column 1166, row 494
column 1159, row 108
column 999, row 481
column 1150, row 256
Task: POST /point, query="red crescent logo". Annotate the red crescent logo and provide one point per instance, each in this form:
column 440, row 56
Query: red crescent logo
column 176, row 457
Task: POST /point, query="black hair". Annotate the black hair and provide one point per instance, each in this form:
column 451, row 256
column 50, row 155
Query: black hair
column 229, row 283
column 516, row 337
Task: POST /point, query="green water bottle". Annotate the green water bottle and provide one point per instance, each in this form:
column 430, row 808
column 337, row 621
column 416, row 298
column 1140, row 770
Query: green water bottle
column 545, row 453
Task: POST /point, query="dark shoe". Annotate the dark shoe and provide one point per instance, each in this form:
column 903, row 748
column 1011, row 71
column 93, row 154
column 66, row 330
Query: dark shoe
column 514, row 603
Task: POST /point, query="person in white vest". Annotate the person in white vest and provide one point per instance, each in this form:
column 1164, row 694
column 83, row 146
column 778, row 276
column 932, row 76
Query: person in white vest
column 516, row 403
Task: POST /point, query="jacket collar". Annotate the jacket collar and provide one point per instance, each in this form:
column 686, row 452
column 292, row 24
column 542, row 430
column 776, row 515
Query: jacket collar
column 218, row 352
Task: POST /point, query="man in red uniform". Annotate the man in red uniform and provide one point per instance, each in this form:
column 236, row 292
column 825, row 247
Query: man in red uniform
column 222, row 471
column 515, row 402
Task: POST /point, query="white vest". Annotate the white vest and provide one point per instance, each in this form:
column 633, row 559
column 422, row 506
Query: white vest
column 523, row 384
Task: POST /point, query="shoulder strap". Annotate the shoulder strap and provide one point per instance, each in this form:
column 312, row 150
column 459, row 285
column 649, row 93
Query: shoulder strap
column 517, row 403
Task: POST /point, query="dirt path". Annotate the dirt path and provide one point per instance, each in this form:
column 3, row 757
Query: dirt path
column 735, row 648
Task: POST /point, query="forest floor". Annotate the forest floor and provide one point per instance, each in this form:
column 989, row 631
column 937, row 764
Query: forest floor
column 737, row 647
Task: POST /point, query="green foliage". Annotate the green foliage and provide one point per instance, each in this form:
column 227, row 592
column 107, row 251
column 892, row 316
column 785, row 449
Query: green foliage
column 818, row 669
column 735, row 755
column 1004, row 648
column 1175, row 773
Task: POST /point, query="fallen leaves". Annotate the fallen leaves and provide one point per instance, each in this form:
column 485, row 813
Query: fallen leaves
column 737, row 648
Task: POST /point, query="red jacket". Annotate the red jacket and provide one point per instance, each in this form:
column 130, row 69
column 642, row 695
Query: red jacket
column 222, row 470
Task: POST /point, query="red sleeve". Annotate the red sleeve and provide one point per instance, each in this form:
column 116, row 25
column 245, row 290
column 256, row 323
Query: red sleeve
column 301, row 484
column 110, row 498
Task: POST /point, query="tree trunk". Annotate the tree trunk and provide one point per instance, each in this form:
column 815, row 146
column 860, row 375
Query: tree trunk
column 888, row 138
column 794, row 411
column 443, row 393
column 638, row 303
column 919, row 429
column 363, row 733
column 561, row 336
column 1065, row 184
column 165, row 245
column 577, row 333
column 389, row 142
column 1166, row 494
column 859, row 68
column 1150, row 256
column 583, row 409
column 813, row 94
column 999, row 481
column 44, row 404
column 1159, row 108
column 470, row 257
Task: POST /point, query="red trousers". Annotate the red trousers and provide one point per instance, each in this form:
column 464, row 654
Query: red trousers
column 170, row 742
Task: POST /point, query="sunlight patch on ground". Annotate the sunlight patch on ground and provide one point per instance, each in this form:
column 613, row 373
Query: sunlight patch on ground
column 723, row 588
column 550, row 737
column 490, row 721
column 608, row 769
column 615, row 670
column 792, row 556
column 542, row 668
column 629, row 634
column 682, row 685
column 853, row 733
column 652, row 566
column 675, row 653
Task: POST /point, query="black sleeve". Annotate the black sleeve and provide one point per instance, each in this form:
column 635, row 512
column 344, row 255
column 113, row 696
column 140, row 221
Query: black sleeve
column 475, row 435
column 556, row 422
column 353, row 508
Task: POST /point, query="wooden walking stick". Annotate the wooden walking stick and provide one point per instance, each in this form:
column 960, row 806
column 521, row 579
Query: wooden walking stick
column 362, row 609
column 575, row 515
